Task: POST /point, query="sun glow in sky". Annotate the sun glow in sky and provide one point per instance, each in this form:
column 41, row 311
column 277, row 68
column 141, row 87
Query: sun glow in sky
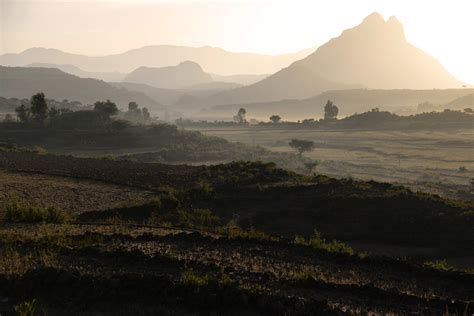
column 442, row 28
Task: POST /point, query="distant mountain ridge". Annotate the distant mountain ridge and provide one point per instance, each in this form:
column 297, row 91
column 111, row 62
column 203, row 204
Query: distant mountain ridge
column 185, row 74
column 76, row 71
column 212, row 59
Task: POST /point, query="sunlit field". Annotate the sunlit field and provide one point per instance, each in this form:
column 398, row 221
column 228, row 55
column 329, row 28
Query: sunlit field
column 440, row 160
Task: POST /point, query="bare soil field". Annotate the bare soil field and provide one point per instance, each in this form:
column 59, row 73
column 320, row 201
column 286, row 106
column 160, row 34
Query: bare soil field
column 123, row 270
column 74, row 195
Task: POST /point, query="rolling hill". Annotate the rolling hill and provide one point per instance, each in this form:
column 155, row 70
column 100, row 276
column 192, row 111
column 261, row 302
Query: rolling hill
column 184, row 75
column 289, row 83
column 176, row 97
column 22, row 82
column 241, row 79
column 76, row 71
column 348, row 101
column 463, row 102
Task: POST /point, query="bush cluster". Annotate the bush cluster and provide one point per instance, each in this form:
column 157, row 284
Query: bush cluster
column 25, row 212
column 318, row 242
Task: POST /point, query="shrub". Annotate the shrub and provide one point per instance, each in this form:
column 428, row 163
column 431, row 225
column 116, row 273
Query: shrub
column 441, row 265
column 318, row 242
column 225, row 280
column 308, row 273
column 24, row 212
column 232, row 231
column 26, row 308
column 189, row 277
column 13, row 262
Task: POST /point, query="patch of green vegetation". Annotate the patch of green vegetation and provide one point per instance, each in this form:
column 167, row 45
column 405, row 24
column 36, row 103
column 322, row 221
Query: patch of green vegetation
column 233, row 231
column 308, row 273
column 12, row 262
column 246, row 173
column 26, row 308
column 190, row 277
column 441, row 265
column 25, row 212
column 225, row 280
column 168, row 208
column 318, row 242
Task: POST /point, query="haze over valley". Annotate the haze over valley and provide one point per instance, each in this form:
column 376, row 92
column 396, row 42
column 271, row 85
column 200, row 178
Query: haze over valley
column 178, row 157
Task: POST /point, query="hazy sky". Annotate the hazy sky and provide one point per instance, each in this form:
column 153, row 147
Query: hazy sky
column 444, row 29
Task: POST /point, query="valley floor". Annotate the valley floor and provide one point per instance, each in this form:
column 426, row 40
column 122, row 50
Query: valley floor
column 440, row 162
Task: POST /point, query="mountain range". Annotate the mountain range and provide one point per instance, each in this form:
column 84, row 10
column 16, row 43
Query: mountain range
column 216, row 83
column 373, row 56
column 212, row 59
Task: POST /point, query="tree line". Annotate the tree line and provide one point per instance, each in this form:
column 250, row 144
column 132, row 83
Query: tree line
column 39, row 113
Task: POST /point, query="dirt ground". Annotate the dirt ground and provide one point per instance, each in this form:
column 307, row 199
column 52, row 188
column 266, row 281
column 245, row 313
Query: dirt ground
column 74, row 195
column 108, row 267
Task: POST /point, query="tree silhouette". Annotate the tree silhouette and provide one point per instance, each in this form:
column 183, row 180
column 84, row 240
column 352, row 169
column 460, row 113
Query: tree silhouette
column 132, row 106
column 23, row 113
column 240, row 117
column 275, row 118
column 107, row 108
column 146, row 114
column 330, row 111
column 39, row 108
column 302, row 145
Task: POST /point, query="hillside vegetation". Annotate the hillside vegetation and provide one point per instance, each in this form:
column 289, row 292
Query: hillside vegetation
column 244, row 238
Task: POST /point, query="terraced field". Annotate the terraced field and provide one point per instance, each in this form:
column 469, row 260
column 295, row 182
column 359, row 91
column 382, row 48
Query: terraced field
column 149, row 270
column 148, row 239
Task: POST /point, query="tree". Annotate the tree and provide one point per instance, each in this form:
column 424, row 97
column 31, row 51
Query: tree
column 275, row 118
column 134, row 113
column 146, row 114
column 132, row 106
column 301, row 145
column 54, row 114
column 39, row 108
column 23, row 113
column 107, row 108
column 330, row 111
column 240, row 117
column 468, row 110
